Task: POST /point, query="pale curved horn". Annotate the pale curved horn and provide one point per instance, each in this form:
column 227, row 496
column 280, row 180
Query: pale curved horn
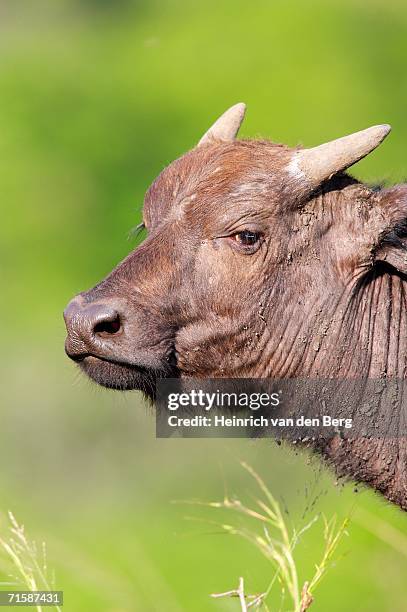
column 227, row 126
column 320, row 163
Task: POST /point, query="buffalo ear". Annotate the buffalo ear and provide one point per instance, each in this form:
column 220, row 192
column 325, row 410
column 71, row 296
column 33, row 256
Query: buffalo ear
column 392, row 242
column 393, row 250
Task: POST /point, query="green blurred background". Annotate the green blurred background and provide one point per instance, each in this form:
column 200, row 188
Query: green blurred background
column 96, row 97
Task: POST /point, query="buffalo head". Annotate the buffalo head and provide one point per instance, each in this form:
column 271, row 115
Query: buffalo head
column 260, row 260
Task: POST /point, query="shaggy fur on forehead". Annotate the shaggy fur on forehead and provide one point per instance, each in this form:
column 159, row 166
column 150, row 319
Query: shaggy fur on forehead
column 216, row 169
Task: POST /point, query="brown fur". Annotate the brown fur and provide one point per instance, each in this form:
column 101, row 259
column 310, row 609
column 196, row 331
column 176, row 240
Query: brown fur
column 324, row 296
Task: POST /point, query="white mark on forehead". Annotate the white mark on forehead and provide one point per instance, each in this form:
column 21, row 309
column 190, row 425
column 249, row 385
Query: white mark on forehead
column 179, row 207
column 294, row 168
column 185, row 201
column 176, row 187
column 252, row 187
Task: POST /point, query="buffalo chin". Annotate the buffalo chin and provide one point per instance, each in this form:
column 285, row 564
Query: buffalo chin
column 121, row 377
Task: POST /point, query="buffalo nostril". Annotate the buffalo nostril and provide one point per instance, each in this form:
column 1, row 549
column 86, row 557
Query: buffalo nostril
column 108, row 327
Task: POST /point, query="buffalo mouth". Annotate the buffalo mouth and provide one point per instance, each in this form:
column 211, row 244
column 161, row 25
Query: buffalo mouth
column 122, row 376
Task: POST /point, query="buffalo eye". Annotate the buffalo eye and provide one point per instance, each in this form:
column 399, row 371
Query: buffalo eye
column 247, row 238
column 246, row 242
